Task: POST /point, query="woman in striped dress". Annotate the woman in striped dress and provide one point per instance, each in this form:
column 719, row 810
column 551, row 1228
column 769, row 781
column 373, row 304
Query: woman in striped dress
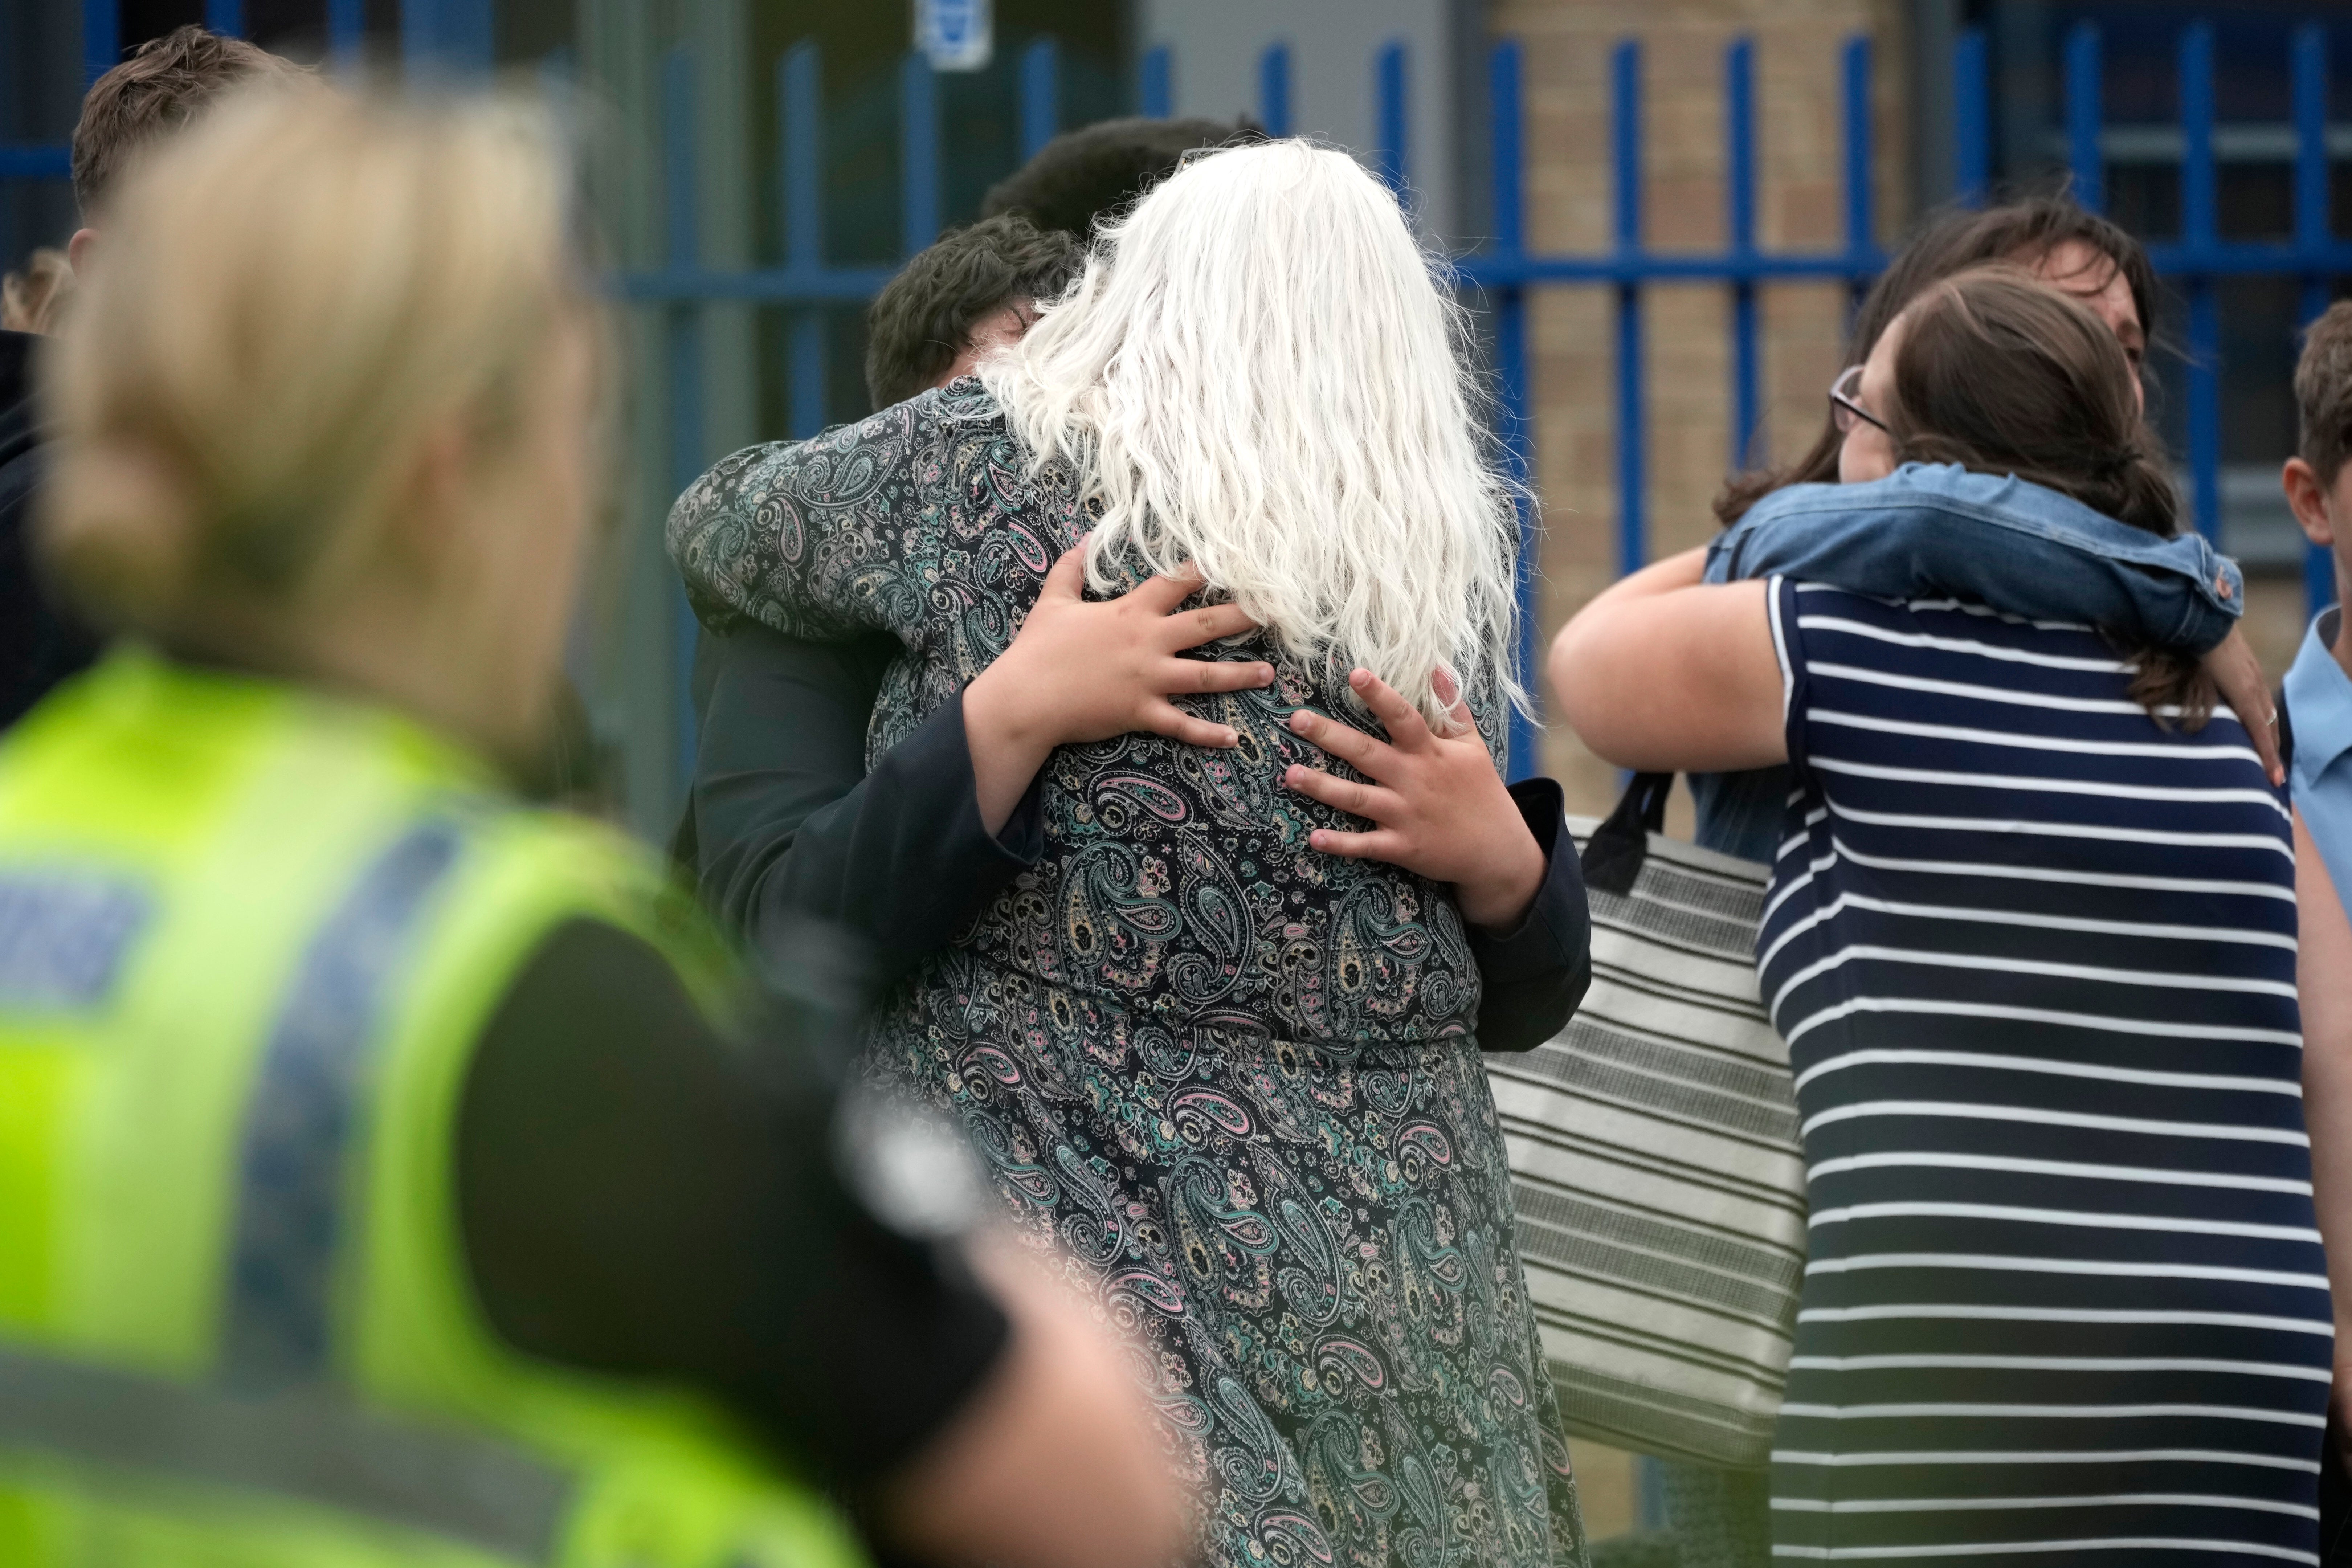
column 2031, row 939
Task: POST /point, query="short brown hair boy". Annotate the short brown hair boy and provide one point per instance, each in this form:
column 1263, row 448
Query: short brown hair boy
column 156, row 90
column 2323, row 393
column 919, row 324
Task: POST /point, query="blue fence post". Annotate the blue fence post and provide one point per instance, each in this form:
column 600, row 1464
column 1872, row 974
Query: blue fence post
column 1274, row 89
column 2199, row 228
column 1861, row 193
column 450, row 35
column 101, row 37
column 682, row 326
column 1625, row 153
column 225, row 17
column 1507, row 135
column 1739, row 165
column 799, row 124
column 1041, row 95
column 1971, row 119
column 346, row 32
column 1156, row 84
column 2084, row 111
column 1394, row 115
column 919, row 154
column 2312, row 232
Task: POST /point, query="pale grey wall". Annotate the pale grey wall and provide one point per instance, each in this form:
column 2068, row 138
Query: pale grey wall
column 1216, row 45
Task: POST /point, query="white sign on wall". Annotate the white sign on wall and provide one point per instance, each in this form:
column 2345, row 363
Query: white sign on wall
column 954, row 35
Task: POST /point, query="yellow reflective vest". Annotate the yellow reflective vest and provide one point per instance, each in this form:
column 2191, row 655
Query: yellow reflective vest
column 248, row 936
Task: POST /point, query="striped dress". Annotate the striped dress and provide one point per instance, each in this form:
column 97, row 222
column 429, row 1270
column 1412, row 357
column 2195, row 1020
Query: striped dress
column 2033, row 955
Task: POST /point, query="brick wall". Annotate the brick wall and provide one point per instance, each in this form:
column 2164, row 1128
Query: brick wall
column 1566, row 46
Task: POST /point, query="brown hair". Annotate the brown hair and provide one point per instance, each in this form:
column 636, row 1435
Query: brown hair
column 157, row 90
column 2016, row 231
column 2323, row 393
column 923, row 317
column 2000, row 373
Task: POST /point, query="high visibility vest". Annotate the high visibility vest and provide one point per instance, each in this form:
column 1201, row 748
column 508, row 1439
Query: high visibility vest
column 248, row 936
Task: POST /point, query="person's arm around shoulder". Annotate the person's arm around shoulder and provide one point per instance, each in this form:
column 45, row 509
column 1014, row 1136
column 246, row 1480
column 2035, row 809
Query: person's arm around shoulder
column 1663, row 672
column 2323, row 977
column 2018, row 547
column 1939, row 529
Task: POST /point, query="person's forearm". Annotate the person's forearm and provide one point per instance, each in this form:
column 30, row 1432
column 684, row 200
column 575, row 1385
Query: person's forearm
column 1008, row 746
column 1532, row 977
column 2017, row 547
column 1661, row 673
column 1502, row 897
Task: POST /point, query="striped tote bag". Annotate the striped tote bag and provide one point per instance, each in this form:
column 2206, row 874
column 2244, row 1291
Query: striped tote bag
column 1654, row 1160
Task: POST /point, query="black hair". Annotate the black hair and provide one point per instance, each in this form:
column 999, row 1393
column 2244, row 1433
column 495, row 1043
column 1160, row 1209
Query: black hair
column 1081, row 177
column 923, row 317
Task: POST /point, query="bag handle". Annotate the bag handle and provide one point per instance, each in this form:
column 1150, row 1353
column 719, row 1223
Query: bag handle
column 1613, row 855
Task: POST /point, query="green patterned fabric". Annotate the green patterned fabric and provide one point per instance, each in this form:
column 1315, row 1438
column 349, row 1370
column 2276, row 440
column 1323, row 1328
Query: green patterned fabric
column 1233, row 1078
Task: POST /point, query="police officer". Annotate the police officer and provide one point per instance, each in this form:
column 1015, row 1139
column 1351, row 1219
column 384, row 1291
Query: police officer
column 390, row 1172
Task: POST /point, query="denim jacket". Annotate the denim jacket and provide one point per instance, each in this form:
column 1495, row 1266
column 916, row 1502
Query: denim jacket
column 1939, row 529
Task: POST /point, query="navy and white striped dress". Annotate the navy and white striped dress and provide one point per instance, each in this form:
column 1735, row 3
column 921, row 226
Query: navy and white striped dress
column 2033, row 955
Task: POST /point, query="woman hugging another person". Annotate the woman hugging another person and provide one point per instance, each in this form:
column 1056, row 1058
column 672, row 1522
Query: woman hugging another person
column 2030, row 939
column 1220, row 1045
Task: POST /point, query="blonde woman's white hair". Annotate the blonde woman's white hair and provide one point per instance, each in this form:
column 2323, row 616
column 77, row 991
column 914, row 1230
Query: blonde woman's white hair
column 289, row 297
column 1261, row 373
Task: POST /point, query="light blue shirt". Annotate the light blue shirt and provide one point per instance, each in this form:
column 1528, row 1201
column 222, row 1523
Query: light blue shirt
column 2319, row 708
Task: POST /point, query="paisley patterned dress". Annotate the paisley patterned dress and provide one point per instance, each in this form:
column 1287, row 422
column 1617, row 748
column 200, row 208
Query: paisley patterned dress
column 1234, row 1080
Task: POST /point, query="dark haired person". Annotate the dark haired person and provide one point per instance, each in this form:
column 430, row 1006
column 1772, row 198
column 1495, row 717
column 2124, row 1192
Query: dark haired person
column 127, row 111
column 1083, row 176
column 787, row 820
column 975, row 290
column 1962, row 532
column 2031, row 943
column 2025, row 549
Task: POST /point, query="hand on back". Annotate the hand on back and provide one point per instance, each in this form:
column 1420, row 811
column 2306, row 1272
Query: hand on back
column 1085, row 670
column 1435, row 803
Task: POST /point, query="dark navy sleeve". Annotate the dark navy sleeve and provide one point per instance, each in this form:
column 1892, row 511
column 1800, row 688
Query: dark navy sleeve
column 640, row 1195
column 1533, row 975
column 788, row 824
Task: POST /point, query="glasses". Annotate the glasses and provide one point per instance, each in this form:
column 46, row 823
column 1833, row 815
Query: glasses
column 1844, row 412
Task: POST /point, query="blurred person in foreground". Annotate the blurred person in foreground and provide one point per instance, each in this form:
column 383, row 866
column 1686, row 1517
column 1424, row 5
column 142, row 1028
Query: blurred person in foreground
column 168, row 82
column 31, row 296
column 392, row 1173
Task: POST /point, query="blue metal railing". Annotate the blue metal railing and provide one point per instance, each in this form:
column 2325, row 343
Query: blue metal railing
column 1505, row 272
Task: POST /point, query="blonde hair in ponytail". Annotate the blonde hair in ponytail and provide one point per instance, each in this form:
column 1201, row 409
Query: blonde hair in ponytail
column 287, row 299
